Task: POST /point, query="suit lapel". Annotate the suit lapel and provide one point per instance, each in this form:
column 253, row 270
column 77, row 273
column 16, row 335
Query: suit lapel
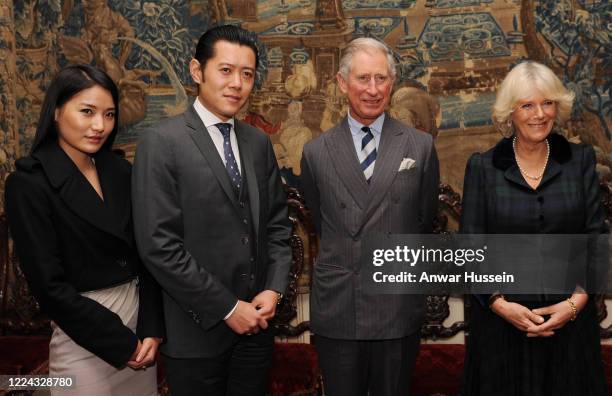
column 553, row 169
column 342, row 152
column 248, row 167
column 80, row 197
column 203, row 141
column 391, row 149
column 115, row 182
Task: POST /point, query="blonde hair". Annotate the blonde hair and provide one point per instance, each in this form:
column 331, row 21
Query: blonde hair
column 520, row 83
column 365, row 44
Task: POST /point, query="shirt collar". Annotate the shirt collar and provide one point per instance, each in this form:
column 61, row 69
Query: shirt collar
column 208, row 118
column 375, row 127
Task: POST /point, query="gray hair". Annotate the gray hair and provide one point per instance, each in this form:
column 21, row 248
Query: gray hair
column 365, row 44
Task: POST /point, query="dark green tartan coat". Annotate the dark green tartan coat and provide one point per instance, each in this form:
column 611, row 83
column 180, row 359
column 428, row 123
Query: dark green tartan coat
column 498, row 200
column 500, row 360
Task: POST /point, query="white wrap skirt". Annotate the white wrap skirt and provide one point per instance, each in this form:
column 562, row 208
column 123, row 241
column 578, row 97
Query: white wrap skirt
column 92, row 375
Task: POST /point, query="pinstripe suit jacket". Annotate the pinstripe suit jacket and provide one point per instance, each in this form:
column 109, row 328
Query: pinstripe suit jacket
column 346, row 209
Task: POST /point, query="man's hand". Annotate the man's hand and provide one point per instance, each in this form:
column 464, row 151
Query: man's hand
column 146, row 353
column 246, row 319
column 517, row 315
column 265, row 302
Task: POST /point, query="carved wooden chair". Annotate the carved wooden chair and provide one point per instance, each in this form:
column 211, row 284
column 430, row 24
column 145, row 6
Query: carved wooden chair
column 295, row 370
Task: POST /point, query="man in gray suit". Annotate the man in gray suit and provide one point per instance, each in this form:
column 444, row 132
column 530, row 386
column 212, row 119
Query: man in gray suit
column 369, row 174
column 211, row 224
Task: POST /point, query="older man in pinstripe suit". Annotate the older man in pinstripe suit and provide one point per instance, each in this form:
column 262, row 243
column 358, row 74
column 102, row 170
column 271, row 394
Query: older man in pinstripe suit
column 369, row 174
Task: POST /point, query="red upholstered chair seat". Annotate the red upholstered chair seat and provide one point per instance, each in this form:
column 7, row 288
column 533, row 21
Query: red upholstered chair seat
column 23, row 354
column 294, row 370
column 606, row 355
column 438, row 370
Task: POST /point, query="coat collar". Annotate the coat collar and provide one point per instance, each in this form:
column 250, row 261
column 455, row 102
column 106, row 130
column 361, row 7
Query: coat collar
column 503, row 153
column 504, row 160
column 111, row 215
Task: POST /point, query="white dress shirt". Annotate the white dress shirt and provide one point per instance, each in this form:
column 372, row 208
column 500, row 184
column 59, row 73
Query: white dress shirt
column 358, row 135
column 209, row 120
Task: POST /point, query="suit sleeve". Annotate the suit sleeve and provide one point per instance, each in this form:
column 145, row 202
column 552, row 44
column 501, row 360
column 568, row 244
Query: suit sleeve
column 473, row 206
column 598, row 248
column 429, row 189
column 158, row 229
column 278, row 228
column 88, row 323
column 150, row 306
column 311, row 192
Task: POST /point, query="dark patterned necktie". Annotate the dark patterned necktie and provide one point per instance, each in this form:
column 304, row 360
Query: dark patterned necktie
column 230, row 161
column 368, row 149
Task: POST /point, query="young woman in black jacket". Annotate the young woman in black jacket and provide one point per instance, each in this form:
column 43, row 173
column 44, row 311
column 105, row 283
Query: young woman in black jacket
column 69, row 211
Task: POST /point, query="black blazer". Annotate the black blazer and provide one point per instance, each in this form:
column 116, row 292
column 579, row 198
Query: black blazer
column 193, row 235
column 69, row 241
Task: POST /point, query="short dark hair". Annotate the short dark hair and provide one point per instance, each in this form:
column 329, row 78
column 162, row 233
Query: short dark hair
column 205, row 49
column 67, row 83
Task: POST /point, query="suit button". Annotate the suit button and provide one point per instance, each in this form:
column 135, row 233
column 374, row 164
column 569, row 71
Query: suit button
column 540, row 199
column 121, row 262
column 252, row 276
column 342, row 205
column 244, row 275
column 356, row 238
column 194, row 316
column 245, row 240
column 241, row 204
column 252, row 260
column 245, row 221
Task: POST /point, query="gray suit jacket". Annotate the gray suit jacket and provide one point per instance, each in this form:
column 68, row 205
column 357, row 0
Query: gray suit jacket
column 193, row 236
column 346, row 209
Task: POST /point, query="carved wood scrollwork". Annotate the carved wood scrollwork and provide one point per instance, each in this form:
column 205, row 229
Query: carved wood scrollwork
column 300, row 221
column 437, row 308
column 602, row 311
column 19, row 312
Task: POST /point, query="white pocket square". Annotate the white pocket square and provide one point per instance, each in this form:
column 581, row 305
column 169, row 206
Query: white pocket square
column 406, row 164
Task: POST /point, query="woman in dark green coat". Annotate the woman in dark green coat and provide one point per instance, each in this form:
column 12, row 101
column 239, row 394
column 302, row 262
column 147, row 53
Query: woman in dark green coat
column 533, row 182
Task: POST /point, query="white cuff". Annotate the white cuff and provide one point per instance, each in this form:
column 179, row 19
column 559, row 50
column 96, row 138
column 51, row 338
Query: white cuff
column 231, row 312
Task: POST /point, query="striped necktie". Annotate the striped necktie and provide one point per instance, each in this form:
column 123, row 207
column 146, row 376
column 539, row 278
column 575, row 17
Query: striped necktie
column 230, row 161
column 368, row 151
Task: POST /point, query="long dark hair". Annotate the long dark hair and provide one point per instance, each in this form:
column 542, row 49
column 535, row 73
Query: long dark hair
column 68, row 82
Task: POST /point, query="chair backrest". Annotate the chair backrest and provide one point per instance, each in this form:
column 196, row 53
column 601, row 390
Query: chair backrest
column 4, row 267
column 304, row 247
column 19, row 312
